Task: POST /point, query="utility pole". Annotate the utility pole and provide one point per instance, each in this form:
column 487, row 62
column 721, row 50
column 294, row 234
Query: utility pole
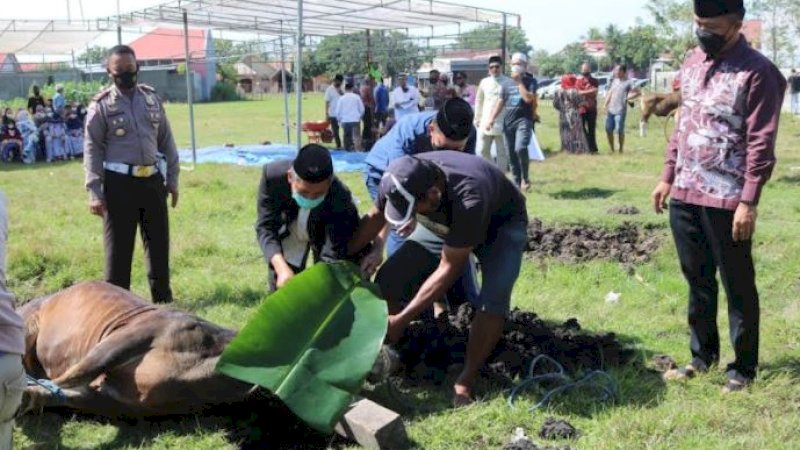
column 504, row 39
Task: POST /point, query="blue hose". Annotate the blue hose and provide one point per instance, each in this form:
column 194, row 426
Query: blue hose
column 607, row 385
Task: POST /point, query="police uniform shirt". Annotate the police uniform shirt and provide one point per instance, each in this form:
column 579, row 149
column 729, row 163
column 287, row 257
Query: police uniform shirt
column 129, row 130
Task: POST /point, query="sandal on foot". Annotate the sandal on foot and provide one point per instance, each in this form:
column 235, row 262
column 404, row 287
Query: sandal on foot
column 680, row 374
column 734, row 386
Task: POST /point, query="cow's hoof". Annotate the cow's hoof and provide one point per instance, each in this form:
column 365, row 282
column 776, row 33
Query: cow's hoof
column 34, row 400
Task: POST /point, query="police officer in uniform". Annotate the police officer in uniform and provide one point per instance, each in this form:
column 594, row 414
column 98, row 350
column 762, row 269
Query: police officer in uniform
column 131, row 166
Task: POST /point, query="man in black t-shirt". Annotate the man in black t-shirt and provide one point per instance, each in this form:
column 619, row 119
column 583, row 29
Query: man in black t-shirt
column 471, row 205
column 35, row 100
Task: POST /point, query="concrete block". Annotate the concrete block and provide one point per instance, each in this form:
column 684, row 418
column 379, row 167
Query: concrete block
column 373, row 426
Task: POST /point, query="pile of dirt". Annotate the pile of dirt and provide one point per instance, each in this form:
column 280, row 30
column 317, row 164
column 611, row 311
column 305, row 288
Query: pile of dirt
column 430, row 347
column 528, row 445
column 629, row 243
column 624, row 210
column 558, row 429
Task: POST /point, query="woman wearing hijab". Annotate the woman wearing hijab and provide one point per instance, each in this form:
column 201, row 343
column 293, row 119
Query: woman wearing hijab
column 568, row 101
column 10, row 139
column 30, row 136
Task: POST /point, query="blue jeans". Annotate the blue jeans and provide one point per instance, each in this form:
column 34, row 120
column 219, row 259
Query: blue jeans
column 615, row 122
column 465, row 287
column 517, row 138
column 501, row 259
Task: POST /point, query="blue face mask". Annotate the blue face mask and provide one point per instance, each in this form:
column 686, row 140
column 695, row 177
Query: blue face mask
column 307, row 203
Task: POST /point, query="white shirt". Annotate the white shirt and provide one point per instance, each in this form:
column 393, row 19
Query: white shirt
column 332, row 96
column 349, row 108
column 490, row 92
column 405, row 103
column 295, row 246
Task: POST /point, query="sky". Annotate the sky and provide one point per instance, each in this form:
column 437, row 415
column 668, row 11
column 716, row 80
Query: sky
column 549, row 24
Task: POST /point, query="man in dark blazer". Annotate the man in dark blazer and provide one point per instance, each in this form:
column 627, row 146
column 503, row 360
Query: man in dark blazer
column 303, row 206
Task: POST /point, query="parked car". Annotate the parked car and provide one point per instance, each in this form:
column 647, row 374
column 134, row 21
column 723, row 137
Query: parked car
column 550, row 90
column 544, row 82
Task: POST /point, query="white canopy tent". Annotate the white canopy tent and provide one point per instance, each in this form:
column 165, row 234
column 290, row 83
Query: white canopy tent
column 274, row 18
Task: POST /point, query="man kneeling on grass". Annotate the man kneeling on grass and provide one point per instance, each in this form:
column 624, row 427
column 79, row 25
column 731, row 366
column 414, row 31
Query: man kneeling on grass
column 473, row 207
column 303, row 206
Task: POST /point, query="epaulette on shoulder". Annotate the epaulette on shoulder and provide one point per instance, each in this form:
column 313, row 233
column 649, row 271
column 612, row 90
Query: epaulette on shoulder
column 102, row 94
column 147, row 88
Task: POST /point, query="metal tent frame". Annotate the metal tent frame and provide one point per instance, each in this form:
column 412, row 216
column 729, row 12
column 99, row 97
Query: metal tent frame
column 279, row 18
column 311, row 18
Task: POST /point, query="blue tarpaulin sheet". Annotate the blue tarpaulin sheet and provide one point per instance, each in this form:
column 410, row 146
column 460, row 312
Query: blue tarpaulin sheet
column 258, row 155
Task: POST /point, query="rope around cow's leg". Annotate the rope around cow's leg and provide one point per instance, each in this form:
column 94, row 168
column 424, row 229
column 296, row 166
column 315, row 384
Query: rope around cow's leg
column 49, row 386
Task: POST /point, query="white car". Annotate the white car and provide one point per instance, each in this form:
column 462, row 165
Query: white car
column 550, row 90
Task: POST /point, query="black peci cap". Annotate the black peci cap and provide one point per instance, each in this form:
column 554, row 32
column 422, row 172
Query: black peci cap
column 715, row 8
column 455, row 119
column 313, row 164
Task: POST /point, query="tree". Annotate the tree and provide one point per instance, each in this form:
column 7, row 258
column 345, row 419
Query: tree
column 675, row 22
column 390, row 51
column 93, row 55
column 490, row 37
column 568, row 60
column 781, row 28
column 639, row 46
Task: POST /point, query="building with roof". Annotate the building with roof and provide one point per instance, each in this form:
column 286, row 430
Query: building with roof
column 165, row 47
column 261, row 77
column 9, row 63
column 595, row 48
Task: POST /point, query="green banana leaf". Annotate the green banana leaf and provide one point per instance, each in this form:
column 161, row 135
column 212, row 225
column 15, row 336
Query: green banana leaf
column 312, row 342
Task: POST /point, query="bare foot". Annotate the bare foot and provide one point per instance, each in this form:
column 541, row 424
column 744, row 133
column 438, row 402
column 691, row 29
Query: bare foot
column 525, row 187
column 462, row 396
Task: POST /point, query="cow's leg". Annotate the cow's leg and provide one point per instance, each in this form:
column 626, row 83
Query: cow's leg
column 86, row 399
column 115, row 350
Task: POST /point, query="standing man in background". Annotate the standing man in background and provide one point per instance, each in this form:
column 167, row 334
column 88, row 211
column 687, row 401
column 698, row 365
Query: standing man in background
column 405, row 98
column 381, row 95
column 719, row 158
column 12, row 345
column 349, row 112
column 464, row 89
column 367, row 97
column 518, row 100
column 131, row 165
column 332, row 95
column 587, row 87
column 794, row 91
column 59, row 101
column 35, row 100
column 619, row 94
column 489, row 94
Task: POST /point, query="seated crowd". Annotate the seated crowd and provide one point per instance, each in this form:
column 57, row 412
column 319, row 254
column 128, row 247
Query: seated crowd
column 48, row 130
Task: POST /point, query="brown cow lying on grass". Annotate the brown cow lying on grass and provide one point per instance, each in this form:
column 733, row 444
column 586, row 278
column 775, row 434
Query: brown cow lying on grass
column 113, row 354
column 659, row 104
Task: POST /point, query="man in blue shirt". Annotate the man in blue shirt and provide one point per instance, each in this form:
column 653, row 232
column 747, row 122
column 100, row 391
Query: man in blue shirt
column 59, row 101
column 450, row 128
column 381, row 103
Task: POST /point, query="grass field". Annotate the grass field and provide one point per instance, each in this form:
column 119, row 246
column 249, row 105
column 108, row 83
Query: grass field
column 218, row 273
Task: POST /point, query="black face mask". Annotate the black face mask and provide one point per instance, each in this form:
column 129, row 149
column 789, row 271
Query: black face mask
column 711, row 43
column 586, row 74
column 126, row 80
